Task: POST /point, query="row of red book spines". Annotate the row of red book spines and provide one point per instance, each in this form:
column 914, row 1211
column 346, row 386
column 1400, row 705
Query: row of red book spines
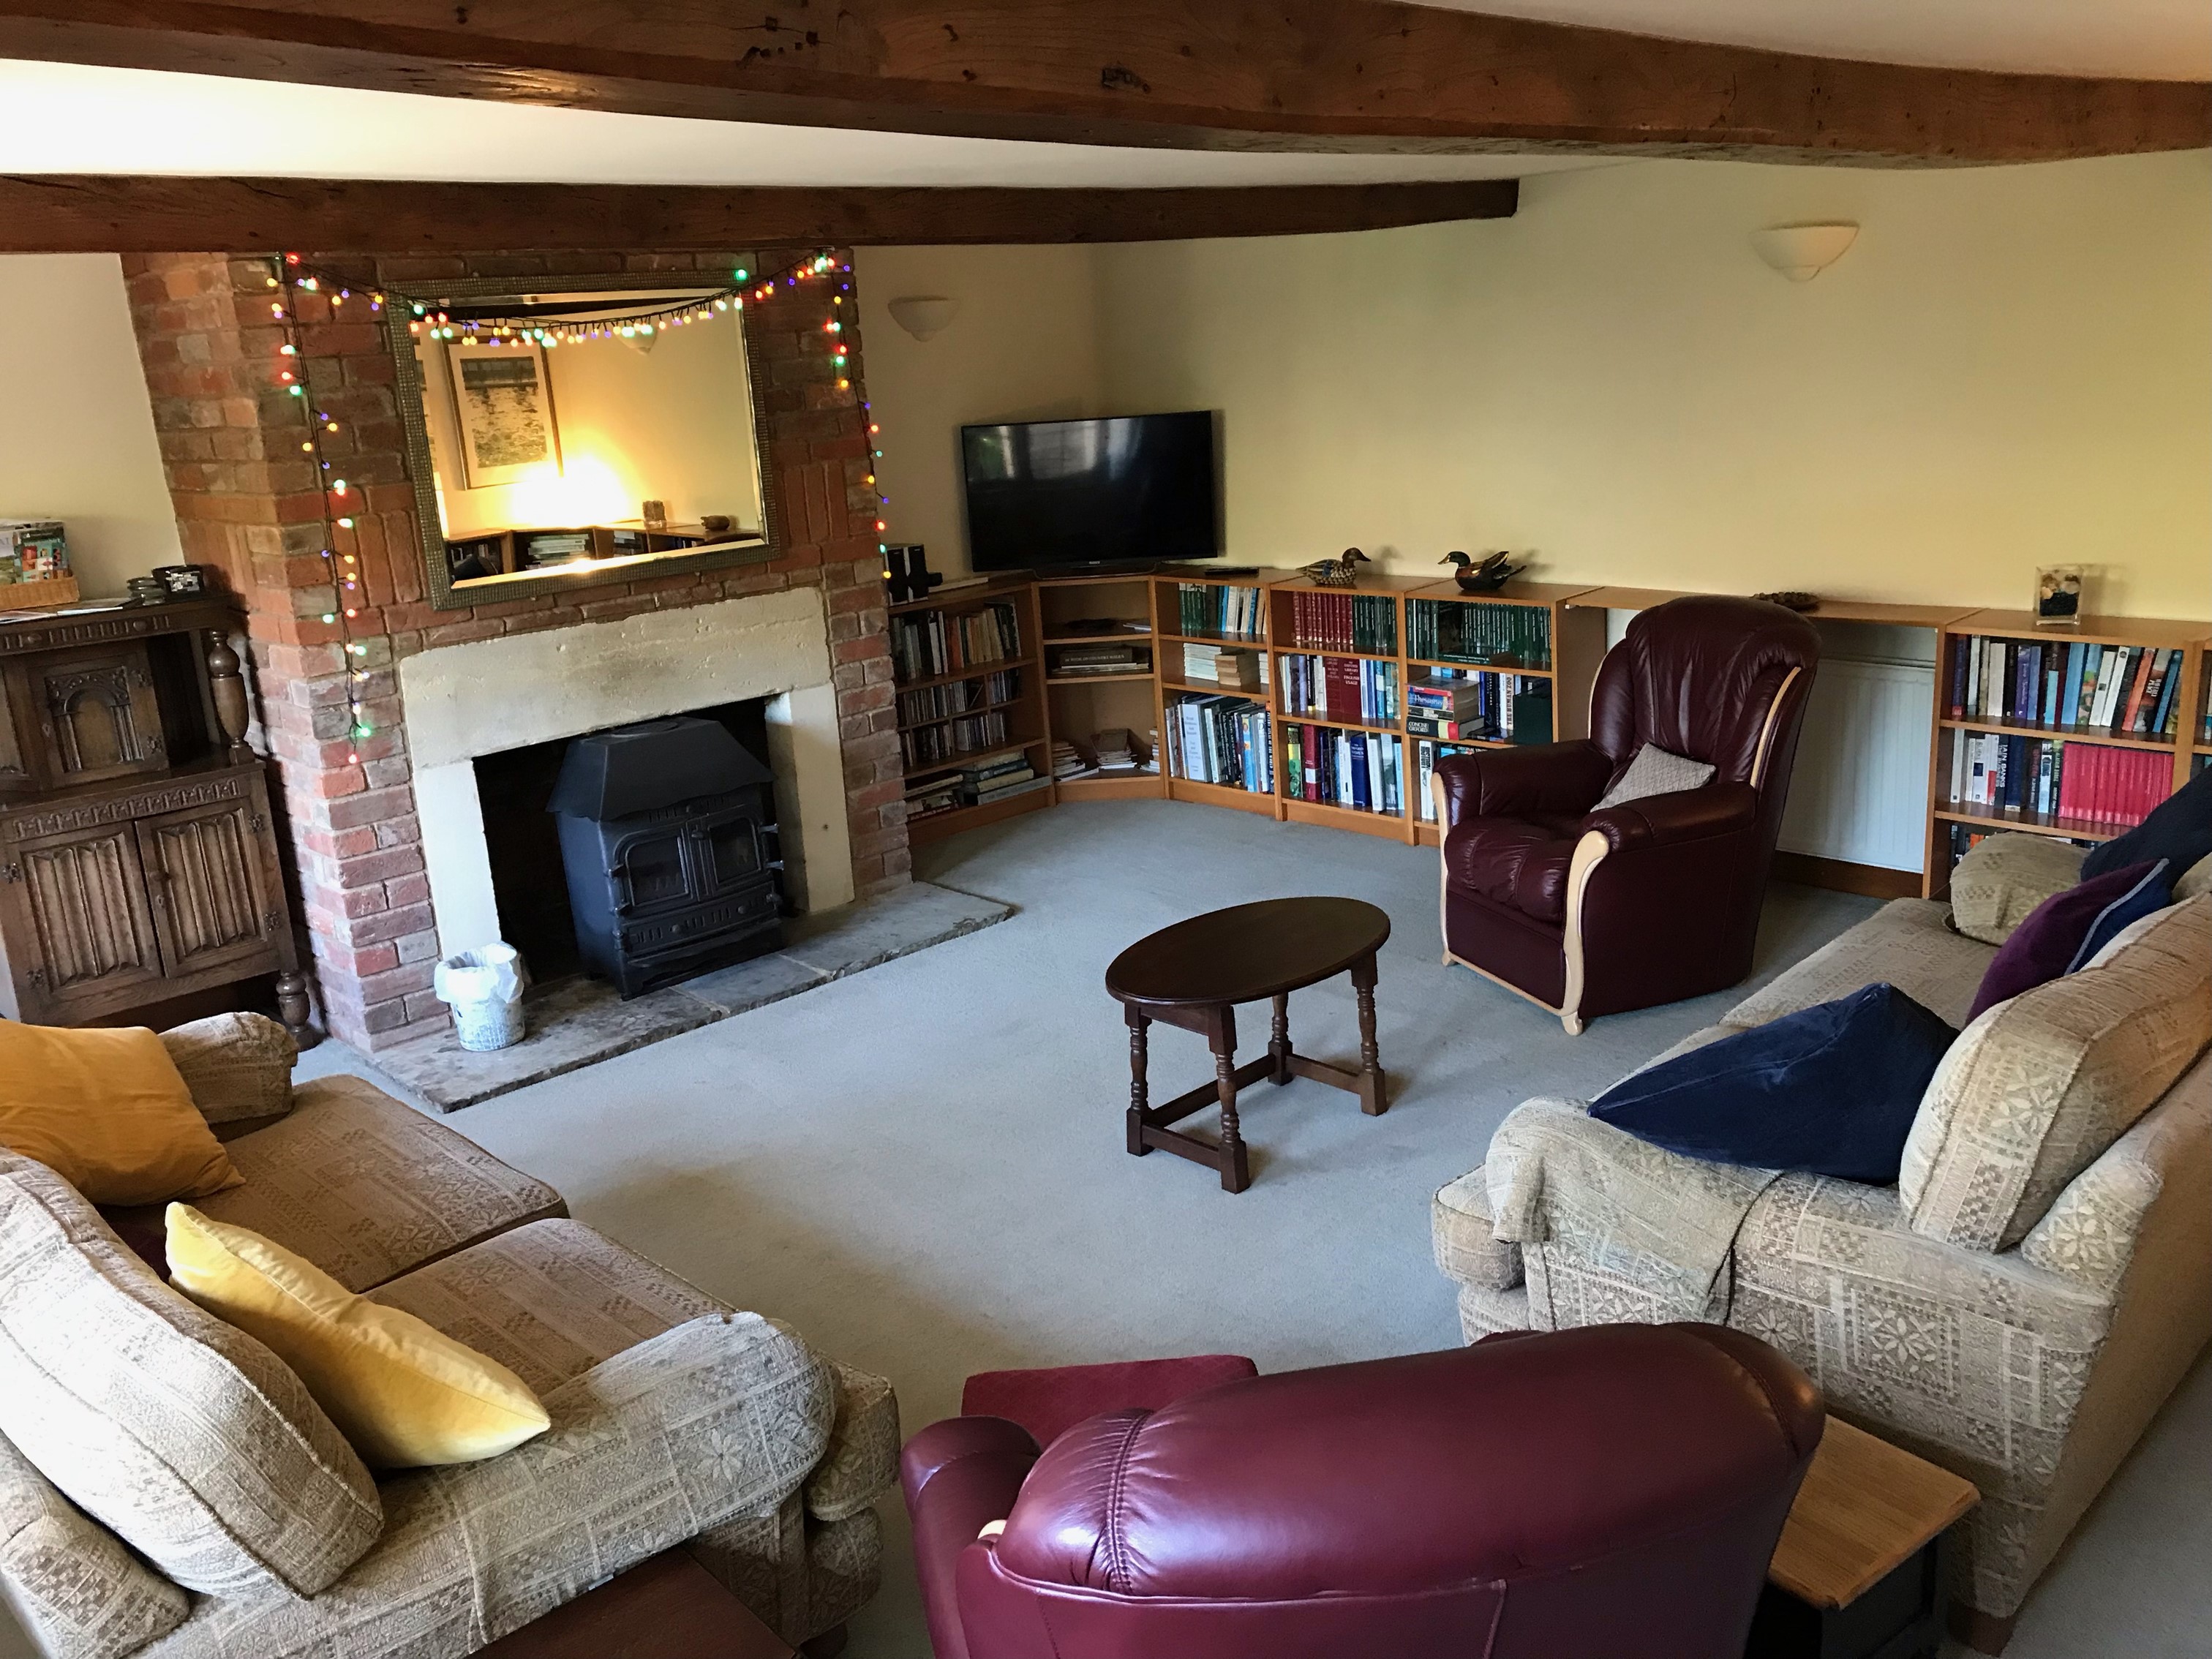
column 2113, row 785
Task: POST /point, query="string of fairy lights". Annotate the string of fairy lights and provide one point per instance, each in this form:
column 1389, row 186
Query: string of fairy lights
column 289, row 278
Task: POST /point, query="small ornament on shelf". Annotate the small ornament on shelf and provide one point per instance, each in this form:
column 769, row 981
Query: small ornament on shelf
column 1791, row 598
column 2058, row 596
column 1338, row 572
column 1485, row 575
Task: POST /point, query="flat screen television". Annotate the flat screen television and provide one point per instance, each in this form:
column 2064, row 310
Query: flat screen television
column 1132, row 489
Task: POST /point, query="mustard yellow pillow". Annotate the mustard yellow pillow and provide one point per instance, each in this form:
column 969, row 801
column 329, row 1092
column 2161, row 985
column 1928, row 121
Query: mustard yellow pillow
column 403, row 1392
column 108, row 1112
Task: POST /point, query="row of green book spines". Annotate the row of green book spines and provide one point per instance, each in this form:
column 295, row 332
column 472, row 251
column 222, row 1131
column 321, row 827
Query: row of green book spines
column 1480, row 629
column 1203, row 608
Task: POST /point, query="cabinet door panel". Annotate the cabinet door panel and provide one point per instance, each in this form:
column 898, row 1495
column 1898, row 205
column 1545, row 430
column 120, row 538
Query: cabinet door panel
column 87, row 906
column 213, row 907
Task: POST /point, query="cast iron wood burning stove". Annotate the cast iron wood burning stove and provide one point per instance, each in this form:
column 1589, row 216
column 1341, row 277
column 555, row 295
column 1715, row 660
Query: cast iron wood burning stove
column 668, row 838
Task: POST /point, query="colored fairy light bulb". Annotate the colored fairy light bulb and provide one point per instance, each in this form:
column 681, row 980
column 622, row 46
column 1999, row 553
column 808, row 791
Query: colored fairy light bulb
column 330, row 615
column 345, row 524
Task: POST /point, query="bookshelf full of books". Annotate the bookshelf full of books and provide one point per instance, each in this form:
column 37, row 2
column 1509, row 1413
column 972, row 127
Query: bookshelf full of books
column 2076, row 732
column 1216, row 726
column 967, row 696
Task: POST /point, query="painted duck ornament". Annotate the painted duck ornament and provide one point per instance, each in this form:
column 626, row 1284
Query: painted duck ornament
column 1338, row 572
column 1485, row 575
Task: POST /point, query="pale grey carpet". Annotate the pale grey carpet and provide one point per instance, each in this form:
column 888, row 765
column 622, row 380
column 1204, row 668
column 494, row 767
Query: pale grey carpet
column 921, row 1166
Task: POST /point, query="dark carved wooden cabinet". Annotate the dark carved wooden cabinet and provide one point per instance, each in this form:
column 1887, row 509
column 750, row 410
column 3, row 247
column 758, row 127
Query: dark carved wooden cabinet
column 138, row 858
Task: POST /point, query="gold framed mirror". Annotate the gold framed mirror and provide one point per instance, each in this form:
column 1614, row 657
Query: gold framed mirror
column 566, row 433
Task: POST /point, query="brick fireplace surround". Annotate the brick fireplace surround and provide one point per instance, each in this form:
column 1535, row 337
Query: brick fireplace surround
column 248, row 503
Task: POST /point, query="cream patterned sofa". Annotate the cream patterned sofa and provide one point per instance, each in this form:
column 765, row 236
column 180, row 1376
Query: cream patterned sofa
column 2015, row 1309
column 128, row 1416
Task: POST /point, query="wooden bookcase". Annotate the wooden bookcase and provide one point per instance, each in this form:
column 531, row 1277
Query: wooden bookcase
column 1080, row 706
column 1027, row 734
column 1147, row 608
column 2188, row 743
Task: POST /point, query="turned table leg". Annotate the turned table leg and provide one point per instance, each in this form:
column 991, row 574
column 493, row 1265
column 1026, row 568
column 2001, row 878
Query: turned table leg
column 1136, row 1099
column 292, row 1008
column 1279, row 1041
column 1373, row 1086
column 1221, row 1030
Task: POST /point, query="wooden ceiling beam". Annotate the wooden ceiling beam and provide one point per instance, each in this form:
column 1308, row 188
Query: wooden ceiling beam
column 1332, row 75
column 46, row 213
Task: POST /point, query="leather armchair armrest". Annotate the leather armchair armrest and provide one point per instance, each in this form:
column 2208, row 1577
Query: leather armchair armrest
column 1716, row 809
column 959, row 1475
column 1556, row 778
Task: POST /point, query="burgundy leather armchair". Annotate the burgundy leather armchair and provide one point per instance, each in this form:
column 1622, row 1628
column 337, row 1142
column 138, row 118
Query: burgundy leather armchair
column 1588, row 913
column 1608, row 1493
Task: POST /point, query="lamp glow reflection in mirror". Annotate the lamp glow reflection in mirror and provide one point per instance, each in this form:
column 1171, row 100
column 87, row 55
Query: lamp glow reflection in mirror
column 590, row 456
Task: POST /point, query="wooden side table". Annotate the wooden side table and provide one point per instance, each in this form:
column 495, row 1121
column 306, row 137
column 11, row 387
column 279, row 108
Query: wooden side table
column 1194, row 974
column 1858, row 1573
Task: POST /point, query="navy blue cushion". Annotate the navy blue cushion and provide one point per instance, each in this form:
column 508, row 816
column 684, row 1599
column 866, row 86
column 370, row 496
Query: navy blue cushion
column 2155, row 891
column 2179, row 830
column 1830, row 1091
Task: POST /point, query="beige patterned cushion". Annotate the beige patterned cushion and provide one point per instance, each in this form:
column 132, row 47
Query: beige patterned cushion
column 186, row 1437
column 237, row 1065
column 84, row 1596
column 548, row 1301
column 2003, row 878
column 2196, row 880
column 1461, row 1235
column 716, row 1420
column 2039, row 1085
column 862, row 1462
column 1906, row 942
column 367, row 1188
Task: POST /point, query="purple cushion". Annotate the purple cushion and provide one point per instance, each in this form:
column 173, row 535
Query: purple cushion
column 2042, row 946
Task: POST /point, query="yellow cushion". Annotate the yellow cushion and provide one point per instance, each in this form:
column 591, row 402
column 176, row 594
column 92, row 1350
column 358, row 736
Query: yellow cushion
column 403, row 1392
column 108, row 1112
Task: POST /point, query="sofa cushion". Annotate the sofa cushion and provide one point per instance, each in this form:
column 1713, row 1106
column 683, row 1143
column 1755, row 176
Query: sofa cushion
column 2179, row 830
column 186, row 1437
column 82, row 1594
column 549, row 1301
column 367, row 1188
column 405, row 1395
column 1831, row 1089
column 1463, row 1238
column 107, row 1111
column 2002, row 879
column 238, row 1066
column 2151, row 892
column 1653, row 771
column 2048, row 941
column 1906, row 942
column 2039, row 1086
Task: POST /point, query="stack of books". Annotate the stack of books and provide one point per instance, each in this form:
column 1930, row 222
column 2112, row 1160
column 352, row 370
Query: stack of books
column 2126, row 690
column 1220, row 740
column 2005, row 775
column 1425, row 756
column 1116, row 748
column 927, row 643
column 1363, row 771
column 1460, row 630
column 1206, row 608
column 945, row 741
column 1447, row 706
column 1342, row 688
column 999, row 780
column 1345, row 621
column 1100, row 661
column 1067, row 761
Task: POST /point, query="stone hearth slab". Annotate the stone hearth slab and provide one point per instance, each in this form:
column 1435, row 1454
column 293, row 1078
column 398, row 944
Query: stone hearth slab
column 578, row 1021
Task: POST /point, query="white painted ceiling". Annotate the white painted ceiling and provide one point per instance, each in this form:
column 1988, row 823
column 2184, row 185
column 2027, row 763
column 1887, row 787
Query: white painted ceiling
column 66, row 117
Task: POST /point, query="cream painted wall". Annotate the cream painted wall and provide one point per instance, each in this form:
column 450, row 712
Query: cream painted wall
column 76, row 428
column 1023, row 347
column 2012, row 366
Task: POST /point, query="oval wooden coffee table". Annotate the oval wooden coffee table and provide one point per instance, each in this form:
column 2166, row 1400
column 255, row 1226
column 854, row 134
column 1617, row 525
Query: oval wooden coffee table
column 1194, row 974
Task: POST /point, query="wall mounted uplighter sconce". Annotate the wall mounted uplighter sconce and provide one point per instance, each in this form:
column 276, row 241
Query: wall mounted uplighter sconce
column 1801, row 252
column 925, row 316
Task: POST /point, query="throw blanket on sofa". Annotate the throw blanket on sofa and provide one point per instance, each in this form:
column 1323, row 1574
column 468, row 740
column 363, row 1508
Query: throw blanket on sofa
column 1640, row 1233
